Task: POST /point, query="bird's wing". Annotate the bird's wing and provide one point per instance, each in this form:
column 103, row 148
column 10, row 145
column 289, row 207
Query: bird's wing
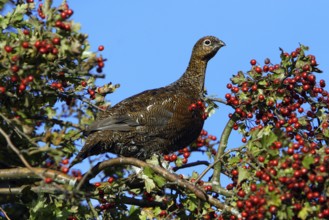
column 114, row 123
column 148, row 107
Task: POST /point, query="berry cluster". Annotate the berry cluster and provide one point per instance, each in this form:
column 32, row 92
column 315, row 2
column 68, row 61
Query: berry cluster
column 199, row 106
column 204, row 140
column 282, row 111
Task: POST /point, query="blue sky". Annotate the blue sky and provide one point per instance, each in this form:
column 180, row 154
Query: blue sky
column 148, row 43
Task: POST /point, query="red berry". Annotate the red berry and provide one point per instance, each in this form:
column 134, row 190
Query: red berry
column 234, row 172
column 267, row 61
column 14, row 68
column 30, row 78
column 261, row 97
column 56, row 40
column 65, row 161
column 241, row 193
column 97, row 184
column 84, row 83
column 272, row 209
column 65, row 169
column 48, row 180
column 2, row 89
column 306, row 67
column 186, row 154
column 26, row 32
column 253, row 62
column 25, row 44
column 43, row 50
column 261, row 159
column 22, row 87
column 8, row 49
column 69, row 12
column 173, row 157
column 101, row 48
column 111, row 180
column 258, row 69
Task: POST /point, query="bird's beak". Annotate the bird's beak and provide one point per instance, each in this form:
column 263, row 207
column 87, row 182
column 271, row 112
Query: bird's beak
column 221, row 44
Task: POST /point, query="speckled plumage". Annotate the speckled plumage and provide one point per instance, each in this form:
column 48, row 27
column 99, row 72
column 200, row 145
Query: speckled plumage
column 157, row 120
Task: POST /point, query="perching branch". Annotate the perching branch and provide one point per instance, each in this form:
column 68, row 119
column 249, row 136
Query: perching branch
column 159, row 170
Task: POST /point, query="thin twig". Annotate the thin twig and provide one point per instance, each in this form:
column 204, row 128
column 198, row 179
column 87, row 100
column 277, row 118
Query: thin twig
column 93, row 211
column 217, row 100
column 12, row 146
column 196, row 163
column 17, row 130
column 237, row 149
column 91, row 104
column 5, row 214
column 206, row 171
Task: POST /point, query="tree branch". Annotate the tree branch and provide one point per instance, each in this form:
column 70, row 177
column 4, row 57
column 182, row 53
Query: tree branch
column 218, row 100
column 5, row 214
column 35, row 173
column 221, row 148
column 196, row 163
column 18, row 131
column 159, row 170
column 12, row 146
column 206, row 171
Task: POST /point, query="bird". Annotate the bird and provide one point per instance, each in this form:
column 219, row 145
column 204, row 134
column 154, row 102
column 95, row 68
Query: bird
column 156, row 121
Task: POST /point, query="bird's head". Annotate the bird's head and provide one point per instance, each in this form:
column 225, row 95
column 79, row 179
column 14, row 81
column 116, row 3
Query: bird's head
column 207, row 47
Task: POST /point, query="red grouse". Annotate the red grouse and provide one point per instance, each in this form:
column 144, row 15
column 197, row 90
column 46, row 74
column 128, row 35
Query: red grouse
column 155, row 121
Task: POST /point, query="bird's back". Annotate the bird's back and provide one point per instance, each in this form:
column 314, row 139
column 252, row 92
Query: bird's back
column 158, row 120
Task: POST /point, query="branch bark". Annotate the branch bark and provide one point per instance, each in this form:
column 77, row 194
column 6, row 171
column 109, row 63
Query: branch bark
column 35, row 173
column 221, row 149
column 159, row 170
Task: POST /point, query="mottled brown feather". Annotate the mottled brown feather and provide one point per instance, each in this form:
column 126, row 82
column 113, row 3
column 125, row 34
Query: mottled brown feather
column 157, row 120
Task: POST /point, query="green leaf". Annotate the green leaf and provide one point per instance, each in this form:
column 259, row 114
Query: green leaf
column 304, row 213
column 148, row 171
column 148, row 175
column 307, row 161
column 243, row 174
column 19, row 12
column 234, row 160
column 159, row 180
column 192, row 202
column 269, row 137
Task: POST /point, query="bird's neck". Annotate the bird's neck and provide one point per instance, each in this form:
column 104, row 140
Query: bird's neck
column 194, row 76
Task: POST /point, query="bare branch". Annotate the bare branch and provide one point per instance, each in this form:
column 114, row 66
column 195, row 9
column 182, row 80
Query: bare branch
column 206, row 171
column 35, row 173
column 159, row 170
column 5, row 214
column 218, row 100
column 196, row 163
column 17, row 130
column 93, row 211
column 12, row 146
column 221, row 149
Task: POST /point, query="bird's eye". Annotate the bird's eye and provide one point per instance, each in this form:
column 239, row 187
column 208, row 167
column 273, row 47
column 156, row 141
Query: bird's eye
column 207, row 42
